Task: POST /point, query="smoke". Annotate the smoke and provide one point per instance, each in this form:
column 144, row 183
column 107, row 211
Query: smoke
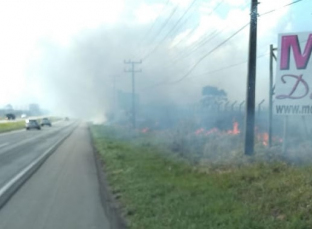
column 77, row 78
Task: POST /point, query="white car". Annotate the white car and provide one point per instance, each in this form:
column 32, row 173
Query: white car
column 32, row 124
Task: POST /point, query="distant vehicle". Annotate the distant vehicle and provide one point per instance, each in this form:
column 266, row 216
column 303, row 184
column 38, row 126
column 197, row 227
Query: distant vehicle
column 10, row 116
column 32, row 124
column 23, row 115
column 46, row 122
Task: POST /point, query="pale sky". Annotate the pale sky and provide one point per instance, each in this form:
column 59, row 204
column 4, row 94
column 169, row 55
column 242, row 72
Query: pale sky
column 41, row 38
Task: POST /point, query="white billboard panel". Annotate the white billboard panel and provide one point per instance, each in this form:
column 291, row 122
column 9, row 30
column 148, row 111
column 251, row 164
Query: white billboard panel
column 293, row 84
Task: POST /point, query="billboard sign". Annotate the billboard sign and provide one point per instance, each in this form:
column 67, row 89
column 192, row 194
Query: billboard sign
column 293, row 85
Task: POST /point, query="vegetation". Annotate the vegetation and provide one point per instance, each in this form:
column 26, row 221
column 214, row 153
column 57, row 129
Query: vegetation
column 16, row 125
column 9, row 126
column 160, row 187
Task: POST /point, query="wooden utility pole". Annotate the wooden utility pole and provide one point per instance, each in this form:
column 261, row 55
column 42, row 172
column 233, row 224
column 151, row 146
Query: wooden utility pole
column 133, row 71
column 251, row 82
column 114, row 94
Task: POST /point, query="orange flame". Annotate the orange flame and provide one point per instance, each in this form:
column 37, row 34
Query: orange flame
column 235, row 129
column 265, row 138
column 200, row 131
column 214, row 130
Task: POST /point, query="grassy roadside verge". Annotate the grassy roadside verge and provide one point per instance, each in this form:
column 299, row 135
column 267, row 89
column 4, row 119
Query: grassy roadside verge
column 164, row 192
column 10, row 126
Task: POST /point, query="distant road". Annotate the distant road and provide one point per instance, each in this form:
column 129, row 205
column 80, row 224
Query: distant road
column 64, row 192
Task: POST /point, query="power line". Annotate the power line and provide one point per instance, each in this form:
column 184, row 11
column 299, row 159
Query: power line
column 184, row 56
column 194, row 29
column 184, row 22
column 201, row 42
column 210, row 52
column 271, row 11
column 154, row 23
column 165, row 23
column 166, row 36
column 229, row 66
column 201, row 59
column 222, row 43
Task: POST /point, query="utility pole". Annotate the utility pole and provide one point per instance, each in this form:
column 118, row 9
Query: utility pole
column 271, row 90
column 133, row 71
column 114, row 94
column 251, row 81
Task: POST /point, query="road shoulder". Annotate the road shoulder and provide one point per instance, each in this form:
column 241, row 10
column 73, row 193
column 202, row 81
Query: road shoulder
column 63, row 193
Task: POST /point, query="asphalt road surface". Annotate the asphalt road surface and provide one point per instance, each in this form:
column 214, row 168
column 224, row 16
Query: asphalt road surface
column 64, row 192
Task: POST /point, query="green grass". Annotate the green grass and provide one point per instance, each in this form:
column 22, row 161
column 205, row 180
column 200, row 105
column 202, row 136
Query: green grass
column 164, row 192
column 9, row 126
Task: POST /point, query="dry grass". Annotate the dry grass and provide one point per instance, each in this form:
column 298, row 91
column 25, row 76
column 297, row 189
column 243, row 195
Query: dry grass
column 163, row 189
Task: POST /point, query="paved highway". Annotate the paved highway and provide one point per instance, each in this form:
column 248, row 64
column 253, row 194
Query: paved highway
column 63, row 192
column 20, row 148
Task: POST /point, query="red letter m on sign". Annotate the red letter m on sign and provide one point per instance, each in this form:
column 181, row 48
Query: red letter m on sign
column 301, row 59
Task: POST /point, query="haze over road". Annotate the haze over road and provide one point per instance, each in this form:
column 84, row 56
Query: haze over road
column 63, row 193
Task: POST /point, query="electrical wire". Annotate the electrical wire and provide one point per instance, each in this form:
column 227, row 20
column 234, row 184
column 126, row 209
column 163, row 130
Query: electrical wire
column 218, row 46
column 184, row 22
column 209, row 53
column 193, row 48
column 230, row 66
column 165, row 23
column 195, row 27
column 153, row 24
column 166, row 36
column 271, row 11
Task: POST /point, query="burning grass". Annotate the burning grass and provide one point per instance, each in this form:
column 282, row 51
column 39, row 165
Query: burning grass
column 163, row 187
column 214, row 147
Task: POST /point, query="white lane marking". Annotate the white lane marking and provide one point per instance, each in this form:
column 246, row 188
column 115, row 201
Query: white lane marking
column 4, row 144
column 22, row 173
column 27, row 140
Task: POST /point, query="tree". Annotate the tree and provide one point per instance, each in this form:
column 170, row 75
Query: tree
column 212, row 96
column 34, row 109
column 8, row 107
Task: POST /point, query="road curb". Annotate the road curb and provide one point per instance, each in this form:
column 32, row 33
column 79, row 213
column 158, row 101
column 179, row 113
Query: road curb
column 8, row 190
column 109, row 203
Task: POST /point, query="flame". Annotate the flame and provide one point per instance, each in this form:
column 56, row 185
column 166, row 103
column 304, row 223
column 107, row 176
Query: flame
column 200, row 131
column 264, row 138
column 277, row 139
column 208, row 132
column 235, row 129
column 214, row 130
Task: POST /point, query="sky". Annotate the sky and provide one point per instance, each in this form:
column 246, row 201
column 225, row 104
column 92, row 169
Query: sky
column 66, row 54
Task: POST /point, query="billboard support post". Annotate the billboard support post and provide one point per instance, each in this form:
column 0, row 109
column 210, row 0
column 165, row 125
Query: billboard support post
column 285, row 135
column 305, row 126
column 271, row 91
